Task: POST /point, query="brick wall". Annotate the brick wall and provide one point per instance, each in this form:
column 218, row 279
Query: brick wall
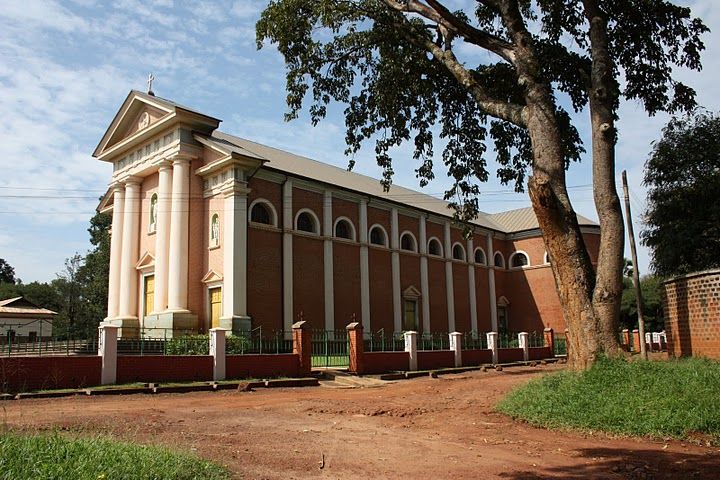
column 18, row 374
column 428, row 360
column 471, row 358
column 538, row 353
column 692, row 314
column 382, row 362
column 506, row 355
column 158, row 368
column 261, row 366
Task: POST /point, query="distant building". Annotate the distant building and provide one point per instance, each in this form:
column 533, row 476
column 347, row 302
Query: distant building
column 23, row 321
column 210, row 230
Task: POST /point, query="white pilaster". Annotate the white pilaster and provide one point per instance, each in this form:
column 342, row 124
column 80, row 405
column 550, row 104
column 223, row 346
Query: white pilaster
column 396, row 293
column 162, row 237
column 328, row 262
column 450, row 289
column 130, row 243
column 364, row 268
column 471, row 285
column 424, row 280
column 178, row 248
column 287, row 251
column 116, row 251
column 235, row 255
column 490, row 258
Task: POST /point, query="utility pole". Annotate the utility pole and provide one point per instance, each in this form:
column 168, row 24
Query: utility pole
column 636, row 274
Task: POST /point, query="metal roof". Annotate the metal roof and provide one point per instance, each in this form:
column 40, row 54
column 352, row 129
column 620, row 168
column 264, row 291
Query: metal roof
column 20, row 305
column 524, row 219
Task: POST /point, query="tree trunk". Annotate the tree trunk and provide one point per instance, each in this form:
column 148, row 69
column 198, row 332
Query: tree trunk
column 603, row 95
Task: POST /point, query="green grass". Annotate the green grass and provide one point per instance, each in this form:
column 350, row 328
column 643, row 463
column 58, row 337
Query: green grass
column 58, row 458
column 676, row 398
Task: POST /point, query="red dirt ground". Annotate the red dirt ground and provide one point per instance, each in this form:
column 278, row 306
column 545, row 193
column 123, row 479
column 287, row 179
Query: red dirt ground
column 422, row 428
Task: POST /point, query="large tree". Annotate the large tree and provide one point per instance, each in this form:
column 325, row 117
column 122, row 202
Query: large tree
column 402, row 68
column 7, row 272
column 683, row 178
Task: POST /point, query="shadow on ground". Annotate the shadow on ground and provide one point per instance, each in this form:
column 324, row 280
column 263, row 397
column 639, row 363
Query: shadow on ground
column 640, row 464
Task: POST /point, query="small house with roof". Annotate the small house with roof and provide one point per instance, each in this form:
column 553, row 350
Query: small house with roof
column 23, row 321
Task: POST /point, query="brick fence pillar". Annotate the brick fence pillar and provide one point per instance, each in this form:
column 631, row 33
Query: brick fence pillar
column 636, row 340
column 626, row 339
column 357, row 348
column 492, row 342
column 411, row 348
column 217, row 350
column 302, row 346
column 523, row 342
column 107, row 349
column 456, row 346
column 549, row 340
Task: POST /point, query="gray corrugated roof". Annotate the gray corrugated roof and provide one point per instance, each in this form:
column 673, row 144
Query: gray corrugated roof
column 524, row 219
column 312, row 169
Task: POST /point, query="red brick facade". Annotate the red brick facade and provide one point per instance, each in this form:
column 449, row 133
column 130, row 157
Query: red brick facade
column 692, row 315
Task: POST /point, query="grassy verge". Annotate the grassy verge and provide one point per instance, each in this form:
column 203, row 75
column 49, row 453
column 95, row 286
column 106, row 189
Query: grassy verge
column 676, row 398
column 54, row 457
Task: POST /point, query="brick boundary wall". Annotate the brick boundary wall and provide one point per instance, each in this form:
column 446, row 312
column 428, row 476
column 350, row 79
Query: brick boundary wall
column 692, row 314
column 506, row 355
column 19, row 374
column 472, row 358
column 540, row 353
column 262, row 366
column 159, row 368
column 383, row 362
column 432, row 359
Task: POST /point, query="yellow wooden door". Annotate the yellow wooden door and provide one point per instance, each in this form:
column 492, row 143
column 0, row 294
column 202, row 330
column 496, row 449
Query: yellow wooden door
column 149, row 294
column 215, row 306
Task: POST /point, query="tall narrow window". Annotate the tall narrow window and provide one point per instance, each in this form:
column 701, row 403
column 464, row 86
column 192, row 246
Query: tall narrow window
column 215, row 231
column 153, row 213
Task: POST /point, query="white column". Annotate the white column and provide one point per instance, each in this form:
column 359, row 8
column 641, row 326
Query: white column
column 492, row 342
column 523, row 342
column 235, row 254
column 162, row 237
column 364, row 268
column 217, row 351
column 471, row 285
column 456, row 347
column 449, row 288
column 178, row 251
column 107, row 350
column 424, row 280
column 328, row 262
column 116, row 251
column 490, row 259
column 411, row 348
column 396, row 293
column 287, row 251
column 130, row 245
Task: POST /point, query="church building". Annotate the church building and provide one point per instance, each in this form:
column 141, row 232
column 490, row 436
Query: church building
column 212, row 230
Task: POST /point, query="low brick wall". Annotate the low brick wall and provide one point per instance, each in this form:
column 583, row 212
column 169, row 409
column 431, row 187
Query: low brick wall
column 539, row 353
column 429, row 360
column 383, row 362
column 21, row 374
column 506, row 355
column 262, row 366
column 159, row 368
column 471, row 358
column 692, row 314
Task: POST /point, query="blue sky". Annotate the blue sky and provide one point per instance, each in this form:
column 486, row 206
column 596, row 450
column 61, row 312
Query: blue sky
column 65, row 68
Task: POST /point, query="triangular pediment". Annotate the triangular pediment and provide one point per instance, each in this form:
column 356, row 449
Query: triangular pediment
column 411, row 292
column 141, row 114
column 211, row 277
column 146, row 261
column 503, row 302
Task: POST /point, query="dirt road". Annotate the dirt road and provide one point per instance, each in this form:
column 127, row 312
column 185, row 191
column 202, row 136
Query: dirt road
column 422, row 428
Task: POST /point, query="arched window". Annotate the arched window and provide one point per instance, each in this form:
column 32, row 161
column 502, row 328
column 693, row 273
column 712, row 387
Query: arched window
column 546, row 258
column 153, row 212
column 499, row 260
column 519, row 259
column 306, row 221
column 458, row 252
column 215, row 230
column 480, row 256
column 262, row 212
column 378, row 236
column 434, row 247
column 407, row 242
column 344, row 229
